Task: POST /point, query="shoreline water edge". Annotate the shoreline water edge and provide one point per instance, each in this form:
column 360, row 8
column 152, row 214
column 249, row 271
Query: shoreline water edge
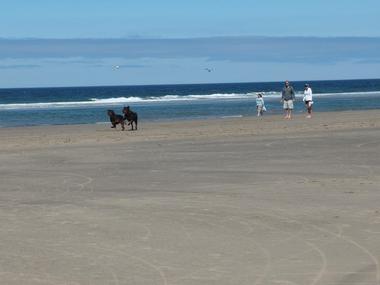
column 218, row 129
column 88, row 105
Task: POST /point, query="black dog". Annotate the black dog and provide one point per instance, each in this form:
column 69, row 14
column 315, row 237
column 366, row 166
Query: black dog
column 116, row 119
column 130, row 116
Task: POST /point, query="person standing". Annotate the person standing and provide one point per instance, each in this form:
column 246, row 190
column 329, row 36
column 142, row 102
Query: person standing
column 308, row 99
column 260, row 105
column 287, row 98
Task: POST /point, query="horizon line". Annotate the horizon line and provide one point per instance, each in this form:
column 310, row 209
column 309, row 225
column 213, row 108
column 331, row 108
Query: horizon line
column 191, row 38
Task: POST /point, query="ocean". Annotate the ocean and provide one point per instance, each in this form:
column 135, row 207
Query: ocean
column 89, row 105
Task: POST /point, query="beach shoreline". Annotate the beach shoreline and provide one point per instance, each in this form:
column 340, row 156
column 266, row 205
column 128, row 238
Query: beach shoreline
column 46, row 136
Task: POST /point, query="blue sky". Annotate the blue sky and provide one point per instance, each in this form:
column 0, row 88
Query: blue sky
column 72, row 43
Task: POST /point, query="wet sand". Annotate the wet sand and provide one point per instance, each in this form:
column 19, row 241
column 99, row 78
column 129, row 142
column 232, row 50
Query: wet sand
column 232, row 201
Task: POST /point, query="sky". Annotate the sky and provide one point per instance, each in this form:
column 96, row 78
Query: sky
column 46, row 43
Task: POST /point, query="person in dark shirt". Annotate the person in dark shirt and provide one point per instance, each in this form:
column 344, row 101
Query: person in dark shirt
column 287, row 98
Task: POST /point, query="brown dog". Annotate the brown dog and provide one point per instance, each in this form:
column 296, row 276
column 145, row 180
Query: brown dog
column 130, row 116
column 116, row 119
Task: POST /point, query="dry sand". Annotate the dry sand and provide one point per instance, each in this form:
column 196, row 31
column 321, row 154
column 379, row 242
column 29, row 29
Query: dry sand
column 233, row 201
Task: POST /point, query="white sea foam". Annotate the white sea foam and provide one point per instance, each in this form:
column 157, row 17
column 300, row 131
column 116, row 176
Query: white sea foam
column 167, row 98
column 115, row 100
column 232, row 116
column 342, row 94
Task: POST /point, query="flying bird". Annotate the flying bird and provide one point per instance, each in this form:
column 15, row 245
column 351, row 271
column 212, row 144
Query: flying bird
column 208, row 69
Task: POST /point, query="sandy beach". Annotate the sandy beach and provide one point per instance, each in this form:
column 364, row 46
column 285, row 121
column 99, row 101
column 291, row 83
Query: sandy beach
column 227, row 201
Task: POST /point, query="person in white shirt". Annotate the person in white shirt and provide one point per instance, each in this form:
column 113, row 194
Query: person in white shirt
column 308, row 99
column 260, row 105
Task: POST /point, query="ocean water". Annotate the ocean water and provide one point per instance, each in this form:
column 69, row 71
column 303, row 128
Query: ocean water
column 88, row 105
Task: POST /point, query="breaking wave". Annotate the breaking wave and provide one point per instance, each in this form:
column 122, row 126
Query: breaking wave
column 162, row 99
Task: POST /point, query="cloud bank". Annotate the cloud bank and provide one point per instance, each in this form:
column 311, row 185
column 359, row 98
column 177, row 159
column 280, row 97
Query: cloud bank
column 235, row 49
